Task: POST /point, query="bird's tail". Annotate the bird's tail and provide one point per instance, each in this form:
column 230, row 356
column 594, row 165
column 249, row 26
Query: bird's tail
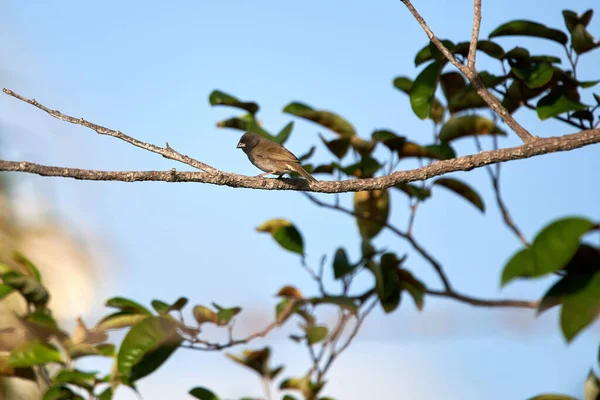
column 305, row 174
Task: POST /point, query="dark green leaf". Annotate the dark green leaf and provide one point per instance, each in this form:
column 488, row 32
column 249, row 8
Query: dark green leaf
column 160, row 306
column 536, row 75
column 120, row 320
column 582, row 41
column 204, row 314
column 366, row 168
column 29, row 287
column 339, row 147
column 580, row 308
column 344, row 302
column 372, row 209
column 468, row 125
column 588, row 84
column 462, row 189
column 403, row 83
column 490, row 48
column 5, row 290
column 247, row 123
column 284, row 134
column 386, row 281
column 571, row 19
column 75, row 377
column 413, row 286
column 60, row 392
column 288, row 397
column 556, row 103
column 597, row 98
column 107, row 394
column 423, row 91
column 28, row 266
column 257, row 360
column 389, row 139
column 529, row 28
column 308, row 154
column 557, row 243
column 315, row 334
column 441, row 151
column 341, row 265
column 34, row 353
column 203, row 394
column 414, row 191
column 146, row 346
column 127, row 305
column 324, row 118
column 324, row 169
column 284, row 233
column 218, row 98
column 582, row 115
column 452, row 83
column 521, row 265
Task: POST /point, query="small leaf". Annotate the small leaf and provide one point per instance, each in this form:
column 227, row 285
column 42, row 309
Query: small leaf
column 529, row 28
column 536, row 75
column 218, row 98
column 386, row 281
column 490, row 48
column 75, row 377
column 441, row 151
column 580, row 308
column 362, row 146
column 521, row 265
column 34, row 353
column 225, row 315
column 290, row 291
column 283, row 306
column 29, row 287
column 308, row 154
column 461, row 189
column 160, row 306
column 389, row 139
column 346, row 303
column 324, row 118
column 284, row 233
column 203, row 394
column 203, row 314
column 413, row 286
column 127, row 305
column 257, row 360
column 582, row 41
column 423, row 91
column 341, row 265
column 339, row 147
column 315, row 334
column 372, row 209
column 284, row 134
column 414, row 191
column 27, row 265
column 468, row 125
column 556, row 103
column 146, row 346
column 366, row 168
column 60, row 392
column 5, row 290
column 403, row 83
column 120, row 320
column 452, row 83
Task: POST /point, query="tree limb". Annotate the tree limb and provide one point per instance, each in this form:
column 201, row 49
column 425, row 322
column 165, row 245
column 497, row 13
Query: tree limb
column 481, row 302
column 474, row 35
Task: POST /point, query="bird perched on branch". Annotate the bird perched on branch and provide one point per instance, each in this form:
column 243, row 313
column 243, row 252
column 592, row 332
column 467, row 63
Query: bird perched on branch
column 270, row 156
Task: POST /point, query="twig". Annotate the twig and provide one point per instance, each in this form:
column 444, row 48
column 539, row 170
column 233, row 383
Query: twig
column 213, row 346
column 474, row 34
column 474, row 78
column 481, row 302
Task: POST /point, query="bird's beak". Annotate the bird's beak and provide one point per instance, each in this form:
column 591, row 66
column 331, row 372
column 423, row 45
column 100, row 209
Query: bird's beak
column 240, row 145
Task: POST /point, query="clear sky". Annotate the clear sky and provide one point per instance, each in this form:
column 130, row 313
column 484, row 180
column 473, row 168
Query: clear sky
column 147, row 68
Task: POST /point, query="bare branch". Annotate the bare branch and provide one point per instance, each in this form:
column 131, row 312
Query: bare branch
column 474, row 34
column 481, row 302
column 474, row 78
column 464, row 163
column 166, row 152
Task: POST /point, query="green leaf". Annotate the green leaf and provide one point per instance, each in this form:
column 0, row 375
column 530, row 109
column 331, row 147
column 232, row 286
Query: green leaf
column 127, row 305
column 413, row 286
column 5, row 290
column 107, row 394
column 288, row 397
column 34, row 353
column 246, row 122
column 61, row 392
column 529, row 28
column 452, row 83
column 366, row 168
column 120, row 319
column 324, row 118
column 225, row 315
column 389, row 139
column 403, row 83
column 423, row 91
column 339, row 147
column 205, row 314
column 284, row 233
column 557, row 243
column 556, row 103
column 592, row 387
column 372, row 209
column 315, row 334
column 282, row 306
column 308, row 154
column 468, row 125
column 536, row 75
column 414, row 191
column 462, row 189
column 146, row 346
column 341, row 265
column 218, row 98
column 29, row 287
column 164, row 308
column 490, row 48
column 203, row 394
column 6, row 370
column 28, row 266
column 571, row 19
column 75, row 377
column 580, row 308
column 257, row 360
column 582, row 41
column 441, row 151
column 284, row 134
column 386, row 281
column 521, row 265
column 346, row 303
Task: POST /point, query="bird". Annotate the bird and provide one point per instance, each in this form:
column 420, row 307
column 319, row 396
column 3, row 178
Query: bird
column 271, row 157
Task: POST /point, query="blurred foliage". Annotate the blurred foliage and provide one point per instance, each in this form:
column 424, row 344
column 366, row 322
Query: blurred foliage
column 438, row 93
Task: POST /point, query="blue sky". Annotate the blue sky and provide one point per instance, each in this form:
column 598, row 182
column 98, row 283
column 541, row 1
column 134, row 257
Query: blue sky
column 147, row 69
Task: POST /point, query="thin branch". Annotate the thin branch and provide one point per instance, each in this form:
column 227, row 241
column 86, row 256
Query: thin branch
column 213, row 346
column 474, row 34
column 166, row 152
column 474, row 78
column 481, row 302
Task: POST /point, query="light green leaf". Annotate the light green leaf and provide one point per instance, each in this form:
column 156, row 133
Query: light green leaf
column 315, row 334
column 34, row 353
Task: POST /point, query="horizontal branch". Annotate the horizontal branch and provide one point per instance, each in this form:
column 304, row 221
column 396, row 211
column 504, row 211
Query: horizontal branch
column 465, row 163
column 482, row 302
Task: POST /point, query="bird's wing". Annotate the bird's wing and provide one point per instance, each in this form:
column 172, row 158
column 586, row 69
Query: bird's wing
column 276, row 152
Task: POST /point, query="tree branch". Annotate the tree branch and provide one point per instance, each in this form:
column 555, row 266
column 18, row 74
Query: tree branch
column 481, row 302
column 474, row 78
column 464, row 163
column 474, row 34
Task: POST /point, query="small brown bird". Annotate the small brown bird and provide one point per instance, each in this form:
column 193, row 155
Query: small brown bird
column 270, row 156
